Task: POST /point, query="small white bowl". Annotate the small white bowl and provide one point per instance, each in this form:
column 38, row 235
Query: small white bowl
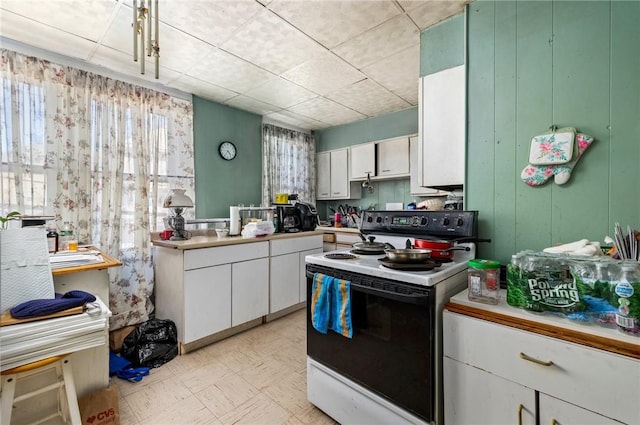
column 222, row 233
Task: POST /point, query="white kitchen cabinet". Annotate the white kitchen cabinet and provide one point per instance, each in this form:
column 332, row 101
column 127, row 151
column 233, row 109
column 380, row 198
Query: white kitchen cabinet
column 288, row 285
column 469, row 393
column 442, row 127
column 362, row 161
column 332, row 176
column 576, row 384
column 323, row 175
column 393, row 157
column 416, row 189
column 249, row 293
column 207, row 291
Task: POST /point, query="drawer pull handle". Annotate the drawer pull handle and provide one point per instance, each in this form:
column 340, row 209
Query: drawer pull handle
column 520, row 408
column 531, row 359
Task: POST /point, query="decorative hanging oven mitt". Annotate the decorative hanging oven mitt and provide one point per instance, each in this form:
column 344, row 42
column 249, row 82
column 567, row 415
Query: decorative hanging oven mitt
column 538, row 174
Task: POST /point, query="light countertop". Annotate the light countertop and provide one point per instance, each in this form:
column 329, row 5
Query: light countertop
column 556, row 326
column 204, row 239
column 338, row 229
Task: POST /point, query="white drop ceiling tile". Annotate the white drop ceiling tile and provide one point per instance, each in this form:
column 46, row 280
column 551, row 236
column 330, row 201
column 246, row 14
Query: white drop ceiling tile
column 211, row 21
column 324, row 73
column 251, row 105
column 224, row 69
column 296, row 120
column 202, row 88
column 84, row 18
column 178, row 51
column 320, row 108
column 376, row 44
column 334, row 22
column 408, row 93
column 29, row 32
column 281, row 93
column 430, row 12
column 395, row 71
column 368, row 98
column 271, row 43
column 123, row 63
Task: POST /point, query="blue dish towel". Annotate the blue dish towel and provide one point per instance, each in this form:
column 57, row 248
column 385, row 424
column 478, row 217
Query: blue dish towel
column 340, row 321
column 331, row 305
column 42, row 307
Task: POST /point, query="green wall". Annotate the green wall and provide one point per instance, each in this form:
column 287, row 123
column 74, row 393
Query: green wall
column 442, row 46
column 394, row 124
column 534, row 64
column 221, row 183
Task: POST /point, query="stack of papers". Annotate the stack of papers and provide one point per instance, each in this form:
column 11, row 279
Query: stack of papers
column 62, row 260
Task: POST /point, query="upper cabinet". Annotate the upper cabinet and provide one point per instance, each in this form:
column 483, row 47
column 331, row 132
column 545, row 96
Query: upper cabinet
column 362, row 161
column 416, row 189
column 393, row 157
column 333, row 176
column 442, row 128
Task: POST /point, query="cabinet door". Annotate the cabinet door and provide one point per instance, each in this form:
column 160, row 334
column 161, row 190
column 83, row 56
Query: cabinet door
column 249, row 290
column 473, row 396
column 443, row 127
column 323, row 175
column 393, row 157
column 303, row 277
column 207, row 301
column 340, row 173
column 557, row 412
column 414, row 156
column 284, row 276
column 362, row 161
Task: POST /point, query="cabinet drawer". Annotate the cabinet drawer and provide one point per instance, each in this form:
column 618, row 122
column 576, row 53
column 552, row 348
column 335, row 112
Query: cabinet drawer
column 603, row 382
column 287, row 246
column 205, row 257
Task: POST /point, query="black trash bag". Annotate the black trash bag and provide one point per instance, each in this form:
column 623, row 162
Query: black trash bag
column 151, row 344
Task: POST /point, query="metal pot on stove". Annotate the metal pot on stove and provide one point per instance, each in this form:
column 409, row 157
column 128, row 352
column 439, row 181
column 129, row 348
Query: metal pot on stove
column 440, row 250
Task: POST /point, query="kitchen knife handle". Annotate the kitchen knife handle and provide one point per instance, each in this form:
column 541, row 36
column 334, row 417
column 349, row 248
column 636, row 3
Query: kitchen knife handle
column 532, row 359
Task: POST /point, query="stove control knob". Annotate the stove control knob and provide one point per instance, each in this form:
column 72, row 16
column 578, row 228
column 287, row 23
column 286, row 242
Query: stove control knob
column 423, row 221
column 460, row 222
column 369, row 219
column 379, row 219
column 445, row 221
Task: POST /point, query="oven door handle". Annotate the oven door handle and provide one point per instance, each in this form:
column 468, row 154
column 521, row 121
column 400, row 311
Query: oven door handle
column 412, row 298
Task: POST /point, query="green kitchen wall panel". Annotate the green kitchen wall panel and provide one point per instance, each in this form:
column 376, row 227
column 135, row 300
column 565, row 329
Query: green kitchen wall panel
column 533, row 115
column 624, row 147
column 221, row 183
column 400, row 123
column 537, row 63
column 581, row 73
column 505, row 166
column 442, row 46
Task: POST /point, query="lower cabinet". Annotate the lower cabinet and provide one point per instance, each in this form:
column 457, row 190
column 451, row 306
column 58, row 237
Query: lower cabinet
column 494, row 374
column 249, row 291
column 287, row 278
column 213, row 292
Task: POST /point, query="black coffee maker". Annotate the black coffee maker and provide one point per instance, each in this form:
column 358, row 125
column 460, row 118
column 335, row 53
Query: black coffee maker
column 289, row 218
column 308, row 216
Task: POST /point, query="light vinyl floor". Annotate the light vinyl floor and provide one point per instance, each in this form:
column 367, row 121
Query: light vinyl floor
column 255, row 377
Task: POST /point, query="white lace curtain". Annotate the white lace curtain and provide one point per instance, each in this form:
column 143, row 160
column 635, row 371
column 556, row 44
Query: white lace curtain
column 288, row 163
column 99, row 153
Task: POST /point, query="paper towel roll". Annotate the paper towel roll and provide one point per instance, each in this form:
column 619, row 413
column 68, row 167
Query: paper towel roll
column 234, row 221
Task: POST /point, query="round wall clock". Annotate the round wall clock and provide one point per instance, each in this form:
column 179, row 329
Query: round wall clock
column 227, row 150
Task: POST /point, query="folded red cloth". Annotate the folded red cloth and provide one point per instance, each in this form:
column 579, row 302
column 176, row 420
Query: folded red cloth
column 43, row 307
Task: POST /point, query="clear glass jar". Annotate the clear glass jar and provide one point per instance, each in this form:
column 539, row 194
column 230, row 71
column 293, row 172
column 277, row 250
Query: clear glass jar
column 484, row 281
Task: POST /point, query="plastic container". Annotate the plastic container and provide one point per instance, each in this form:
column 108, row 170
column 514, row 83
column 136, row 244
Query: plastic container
column 484, row 281
column 66, row 235
column 627, row 290
column 52, row 240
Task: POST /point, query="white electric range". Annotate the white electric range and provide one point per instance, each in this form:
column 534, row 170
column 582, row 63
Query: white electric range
column 391, row 370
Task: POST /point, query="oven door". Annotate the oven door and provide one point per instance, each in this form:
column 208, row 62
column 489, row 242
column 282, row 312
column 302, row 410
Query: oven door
column 391, row 352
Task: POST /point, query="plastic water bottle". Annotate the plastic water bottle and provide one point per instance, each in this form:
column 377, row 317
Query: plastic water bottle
column 66, row 235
